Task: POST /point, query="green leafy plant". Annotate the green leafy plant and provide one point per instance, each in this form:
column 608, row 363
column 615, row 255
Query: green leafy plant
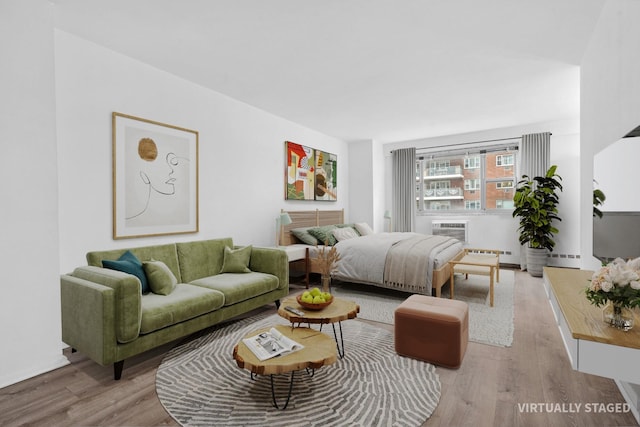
column 598, row 200
column 536, row 204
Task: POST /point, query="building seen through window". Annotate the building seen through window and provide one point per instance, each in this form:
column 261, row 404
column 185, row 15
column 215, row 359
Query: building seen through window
column 466, row 181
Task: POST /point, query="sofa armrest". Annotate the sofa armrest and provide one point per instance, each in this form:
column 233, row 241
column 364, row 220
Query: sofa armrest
column 88, row 318
column 127, row 298
column 271, row 261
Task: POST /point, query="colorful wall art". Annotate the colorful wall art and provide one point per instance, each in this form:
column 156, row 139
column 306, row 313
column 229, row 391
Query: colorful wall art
column 311, row 174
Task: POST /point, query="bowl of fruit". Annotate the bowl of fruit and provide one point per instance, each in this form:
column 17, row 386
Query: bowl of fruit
column 315, row 299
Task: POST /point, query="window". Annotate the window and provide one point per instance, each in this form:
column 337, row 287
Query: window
column 504, row 160
column 471, row 162
column 471, row 184
column 461, row 181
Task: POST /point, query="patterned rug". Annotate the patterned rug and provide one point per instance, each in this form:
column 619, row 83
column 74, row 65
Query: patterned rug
column 200, row 384
column 487, row 325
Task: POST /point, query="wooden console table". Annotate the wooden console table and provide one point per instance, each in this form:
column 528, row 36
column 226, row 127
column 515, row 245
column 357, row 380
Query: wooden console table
column 593, row 346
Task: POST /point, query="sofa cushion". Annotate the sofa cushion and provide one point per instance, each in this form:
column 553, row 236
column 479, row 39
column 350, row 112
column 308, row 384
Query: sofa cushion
column 202, row 258
column 236, row 260
column 161, row 279
column 165, row 253
column 239, row 287
column 129, row 263
column 184, row 303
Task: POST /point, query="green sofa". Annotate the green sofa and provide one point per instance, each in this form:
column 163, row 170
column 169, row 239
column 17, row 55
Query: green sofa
column 107, row 316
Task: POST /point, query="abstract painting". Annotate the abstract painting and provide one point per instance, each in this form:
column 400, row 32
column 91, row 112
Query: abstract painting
column 300, row 178
column 155, row 178
column 326, row 176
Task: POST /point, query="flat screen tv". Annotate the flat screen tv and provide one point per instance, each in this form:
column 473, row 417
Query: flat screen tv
column 616, row 235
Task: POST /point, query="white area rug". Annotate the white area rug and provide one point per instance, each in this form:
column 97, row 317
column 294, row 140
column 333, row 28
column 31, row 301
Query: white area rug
column 200, row 384
column 487, row 325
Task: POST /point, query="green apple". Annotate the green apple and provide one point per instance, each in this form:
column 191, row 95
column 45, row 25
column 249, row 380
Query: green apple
column 318, row 299
column 327, row 296
column 316, row 292
column 305, row 293
column 307, row 298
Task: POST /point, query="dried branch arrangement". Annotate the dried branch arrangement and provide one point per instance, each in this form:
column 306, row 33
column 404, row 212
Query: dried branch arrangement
column 327, row 260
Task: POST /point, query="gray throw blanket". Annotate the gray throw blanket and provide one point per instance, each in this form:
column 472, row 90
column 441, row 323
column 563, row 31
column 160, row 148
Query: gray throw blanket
column 408, row 264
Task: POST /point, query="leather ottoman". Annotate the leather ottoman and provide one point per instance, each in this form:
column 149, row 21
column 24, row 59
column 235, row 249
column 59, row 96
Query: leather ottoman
column 435, row 330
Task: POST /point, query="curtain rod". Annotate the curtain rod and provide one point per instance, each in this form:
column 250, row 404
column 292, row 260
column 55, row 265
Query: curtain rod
column 468, row 143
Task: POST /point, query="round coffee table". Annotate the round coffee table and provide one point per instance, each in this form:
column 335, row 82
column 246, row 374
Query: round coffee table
column 339, row 310
column 319, row 350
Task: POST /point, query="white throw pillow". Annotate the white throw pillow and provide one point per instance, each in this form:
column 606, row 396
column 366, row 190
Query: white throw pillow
column 344, row 233
column 364, row 229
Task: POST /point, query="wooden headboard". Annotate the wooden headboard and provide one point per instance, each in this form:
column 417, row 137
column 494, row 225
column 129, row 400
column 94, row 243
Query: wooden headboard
column 313, row 218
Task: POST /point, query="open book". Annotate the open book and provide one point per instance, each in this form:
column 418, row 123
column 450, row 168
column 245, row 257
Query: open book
column 271, row 344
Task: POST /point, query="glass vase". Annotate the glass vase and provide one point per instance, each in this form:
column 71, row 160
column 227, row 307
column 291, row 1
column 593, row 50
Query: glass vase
column 326, row 283
column 618, row 316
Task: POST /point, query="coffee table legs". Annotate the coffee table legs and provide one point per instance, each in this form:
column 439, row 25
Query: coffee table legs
column 311, row 372
column 339, row 344
column 273, row 392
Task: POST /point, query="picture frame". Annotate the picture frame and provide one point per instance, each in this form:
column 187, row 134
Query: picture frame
column 299, row 176
column 155, row 178
column 326, row 176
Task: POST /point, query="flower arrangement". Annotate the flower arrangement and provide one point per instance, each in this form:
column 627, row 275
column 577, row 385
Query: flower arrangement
column 618, row 282
column 327, row 260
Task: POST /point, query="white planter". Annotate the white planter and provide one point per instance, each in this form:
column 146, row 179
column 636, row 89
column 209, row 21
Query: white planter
column 536, row 261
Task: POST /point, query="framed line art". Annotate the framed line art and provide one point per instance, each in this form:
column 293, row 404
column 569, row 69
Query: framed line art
column 300, row 178
column 326, row 178
column 155, row 178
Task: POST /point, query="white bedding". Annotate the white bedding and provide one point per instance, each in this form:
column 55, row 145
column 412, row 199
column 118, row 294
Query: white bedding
column 363, row 258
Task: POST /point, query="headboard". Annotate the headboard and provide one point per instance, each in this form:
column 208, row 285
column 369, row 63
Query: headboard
column 313, row 218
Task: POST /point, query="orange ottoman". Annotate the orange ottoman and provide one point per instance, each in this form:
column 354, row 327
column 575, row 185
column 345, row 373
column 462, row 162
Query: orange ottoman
column 435, row 330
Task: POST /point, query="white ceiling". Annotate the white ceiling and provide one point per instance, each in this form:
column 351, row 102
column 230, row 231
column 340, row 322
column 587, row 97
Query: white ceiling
column 389, row 70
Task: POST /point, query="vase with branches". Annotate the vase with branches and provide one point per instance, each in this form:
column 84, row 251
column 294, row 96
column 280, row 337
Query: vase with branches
column 327, row 259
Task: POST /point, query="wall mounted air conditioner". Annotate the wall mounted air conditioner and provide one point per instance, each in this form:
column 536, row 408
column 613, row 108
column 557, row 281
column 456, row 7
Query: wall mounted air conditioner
column 458, row 229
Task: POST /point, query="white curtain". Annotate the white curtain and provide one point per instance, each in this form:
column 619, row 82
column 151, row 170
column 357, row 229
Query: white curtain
column 534, row 161
column 404, row 189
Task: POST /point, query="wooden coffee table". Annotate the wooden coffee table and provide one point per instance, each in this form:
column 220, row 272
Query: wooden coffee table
column 339, row 310
column 319, row 350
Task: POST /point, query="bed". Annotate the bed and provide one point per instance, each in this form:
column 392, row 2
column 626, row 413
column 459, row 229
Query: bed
column 409, row 262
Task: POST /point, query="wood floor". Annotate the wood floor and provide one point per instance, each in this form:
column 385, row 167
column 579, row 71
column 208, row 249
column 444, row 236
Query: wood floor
column 487, row 390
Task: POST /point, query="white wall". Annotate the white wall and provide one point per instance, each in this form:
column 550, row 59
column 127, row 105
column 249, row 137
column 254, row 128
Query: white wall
column 498, row 231
column 366, row 180
column 30, row 302
column 610, row 98
column 242, row 155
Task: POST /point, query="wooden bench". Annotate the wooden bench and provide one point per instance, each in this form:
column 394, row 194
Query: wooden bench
column 483, row 262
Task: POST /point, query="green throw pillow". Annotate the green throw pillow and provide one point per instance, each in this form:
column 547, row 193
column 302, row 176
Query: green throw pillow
column 161, row 280
column 129, row 263
column 324, row 234
column 236, row 260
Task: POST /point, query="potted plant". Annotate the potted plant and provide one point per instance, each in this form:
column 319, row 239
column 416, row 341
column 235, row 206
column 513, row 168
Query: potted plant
column 598, row 200
column 536, row 204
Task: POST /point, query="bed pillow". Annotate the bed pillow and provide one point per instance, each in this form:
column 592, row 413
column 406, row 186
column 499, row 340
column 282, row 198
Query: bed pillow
column 364, row 229
column 304, row 236
column 236, row 260
column 129, row 263
column 161, row 280
column 324, row 234
column 344, row 233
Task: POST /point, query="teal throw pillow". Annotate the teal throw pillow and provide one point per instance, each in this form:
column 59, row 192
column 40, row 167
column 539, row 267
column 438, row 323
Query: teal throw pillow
column 161, row 279
column 324, row 234
column 129, row 263
column 236, row 260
